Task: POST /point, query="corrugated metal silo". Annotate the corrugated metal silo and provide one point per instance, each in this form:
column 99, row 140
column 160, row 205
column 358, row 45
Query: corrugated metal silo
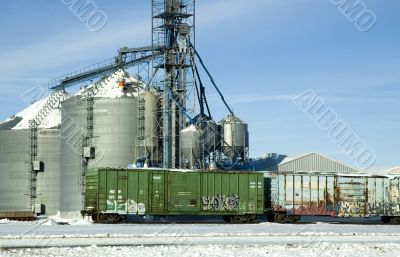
column 48, row 182
column 149, row 138
column 15, row 157
column 190, row 140
column 114, row 132
column 14, row 168
column 235, row 137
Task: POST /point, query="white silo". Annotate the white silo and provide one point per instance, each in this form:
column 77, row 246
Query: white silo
column 15, row 157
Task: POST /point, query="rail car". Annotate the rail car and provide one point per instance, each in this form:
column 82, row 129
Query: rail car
column 292, row 195
column 114, row 194
column 18, row 215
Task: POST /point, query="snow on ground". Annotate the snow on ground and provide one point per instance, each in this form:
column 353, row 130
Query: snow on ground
column 324, row 249
column 54, row 237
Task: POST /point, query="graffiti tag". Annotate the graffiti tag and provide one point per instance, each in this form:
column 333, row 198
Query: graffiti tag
column 387, row 209
column 220, row 203
column 350, row 209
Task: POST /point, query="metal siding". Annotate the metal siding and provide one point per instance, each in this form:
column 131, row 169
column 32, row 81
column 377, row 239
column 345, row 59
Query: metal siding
column 157, row 191
column 351, row 196
column 184, row 192
column 111, row 190
column 383, row 197
column 217, row 186
column 302, row 194
column 274, row 192
column 243, row 193
column 102, row 190
column 138, row 190
column 92, row 189
column 122, row 196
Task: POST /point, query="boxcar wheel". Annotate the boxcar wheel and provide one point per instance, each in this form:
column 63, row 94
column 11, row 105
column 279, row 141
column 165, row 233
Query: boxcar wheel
column 279, row 217
column 271, row 217
column 386, row 219
column 101, row 218
column 227, row 219
column 94, row 218
column 123, row 218
column 294, row 219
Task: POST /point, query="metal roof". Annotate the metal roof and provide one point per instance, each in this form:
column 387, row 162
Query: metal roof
column 314, row 162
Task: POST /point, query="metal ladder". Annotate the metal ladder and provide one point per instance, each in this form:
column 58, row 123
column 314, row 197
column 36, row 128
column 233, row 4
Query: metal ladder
column 87, row 140
column 160, row 127
column 54, row 99
column 33, row 156
column 141, row 148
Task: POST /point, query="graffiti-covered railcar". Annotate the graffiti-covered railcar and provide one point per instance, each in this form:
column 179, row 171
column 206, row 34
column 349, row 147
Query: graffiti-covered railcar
column 113, row 194
column 291, row 195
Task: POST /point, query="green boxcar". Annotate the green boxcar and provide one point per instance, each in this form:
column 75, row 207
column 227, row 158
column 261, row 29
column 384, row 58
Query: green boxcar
column 112, row 194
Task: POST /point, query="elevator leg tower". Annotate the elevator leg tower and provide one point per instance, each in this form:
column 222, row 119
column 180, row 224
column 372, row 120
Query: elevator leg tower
column 173, row 32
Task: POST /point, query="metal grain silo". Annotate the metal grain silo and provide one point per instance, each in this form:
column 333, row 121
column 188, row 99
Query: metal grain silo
column 114, row 142
column 48, row 182
column 210, row 136
column 235, row 137
column 190, row 146
column 14, row 168
column 148, row 145
column 15, row 158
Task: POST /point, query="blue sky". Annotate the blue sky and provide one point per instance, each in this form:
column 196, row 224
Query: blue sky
column 262, row 54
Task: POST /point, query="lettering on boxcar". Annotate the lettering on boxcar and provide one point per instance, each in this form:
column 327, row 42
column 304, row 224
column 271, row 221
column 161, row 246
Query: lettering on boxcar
column 350, row 209
column 220, row 203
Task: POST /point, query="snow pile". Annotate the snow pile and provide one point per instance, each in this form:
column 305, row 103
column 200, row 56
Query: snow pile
column 394, row 171
column 117, row 85
column 191, row 128
column 7, row 221
column 52, row 119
